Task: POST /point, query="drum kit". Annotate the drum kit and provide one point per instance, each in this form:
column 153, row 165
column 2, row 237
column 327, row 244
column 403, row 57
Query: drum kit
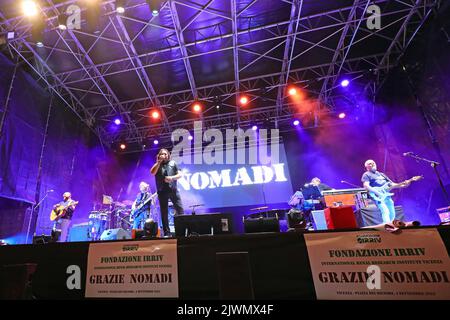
column 114, row 216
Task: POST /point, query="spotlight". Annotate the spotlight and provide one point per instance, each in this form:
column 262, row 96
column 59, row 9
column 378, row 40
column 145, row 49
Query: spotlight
column 155, row 142
column 197, row 107
column 39, row 44
column 190, row 137
column 155, row 114
column 296, row 122
column 5, row 38
column 342, row 115
column 62, row 20
column 254, row 128
column 29, row 8
column 117, row 121
column 292, row 91
column 154, row 7
column 243, row 100
column 123, row 146
column 345, row 83
column 120, row 6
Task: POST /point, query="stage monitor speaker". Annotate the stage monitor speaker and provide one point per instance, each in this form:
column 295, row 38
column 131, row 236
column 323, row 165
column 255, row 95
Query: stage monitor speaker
column 371, row 216
column 115, row 234
column 212, row 224
column 261, row 225
column 79, row 232
column 340, row 217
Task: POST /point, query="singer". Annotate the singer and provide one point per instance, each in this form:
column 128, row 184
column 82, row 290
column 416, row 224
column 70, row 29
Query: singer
column 166, row 174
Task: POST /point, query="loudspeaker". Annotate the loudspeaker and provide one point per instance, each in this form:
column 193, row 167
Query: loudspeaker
column 79, row 232
column 43, row 239
column 213, row 223
column 115, row 234
column 340, row 217
column 261, row 225
column 371, row 215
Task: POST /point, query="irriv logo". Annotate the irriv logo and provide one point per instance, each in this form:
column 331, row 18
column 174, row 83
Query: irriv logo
column 374, row 279
column 74, row 279
column 73, row 17
column 374, row 20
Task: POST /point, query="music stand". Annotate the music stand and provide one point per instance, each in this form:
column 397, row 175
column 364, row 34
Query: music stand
column 311, row 192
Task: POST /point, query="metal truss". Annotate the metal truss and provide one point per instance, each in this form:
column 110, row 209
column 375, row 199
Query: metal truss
column 337, row 33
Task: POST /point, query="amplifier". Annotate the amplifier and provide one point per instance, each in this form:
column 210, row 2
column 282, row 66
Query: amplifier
column 444, row 214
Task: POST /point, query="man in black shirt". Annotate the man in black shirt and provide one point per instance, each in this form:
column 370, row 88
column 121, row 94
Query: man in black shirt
column 166, row 174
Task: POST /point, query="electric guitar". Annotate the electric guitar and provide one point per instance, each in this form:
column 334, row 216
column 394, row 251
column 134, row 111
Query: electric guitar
column 60, row 210
column 135, row 212
column 384, row 189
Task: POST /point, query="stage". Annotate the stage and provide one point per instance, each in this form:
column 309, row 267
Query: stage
column 278, row 266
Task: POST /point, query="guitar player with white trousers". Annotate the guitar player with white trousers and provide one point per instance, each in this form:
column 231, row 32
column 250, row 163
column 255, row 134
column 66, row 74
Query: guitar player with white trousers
column 140, row 210
column 379, row 185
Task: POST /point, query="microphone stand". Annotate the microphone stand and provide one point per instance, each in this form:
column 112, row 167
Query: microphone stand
column 33, row 208
column 350, row 184
column 434, row 164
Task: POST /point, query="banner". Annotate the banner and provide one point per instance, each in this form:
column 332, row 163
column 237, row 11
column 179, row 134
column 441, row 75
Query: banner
column 365, row 265
column 132, row 269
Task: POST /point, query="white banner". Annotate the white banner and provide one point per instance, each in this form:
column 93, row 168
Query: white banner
column 132, row 269
column 366, row 265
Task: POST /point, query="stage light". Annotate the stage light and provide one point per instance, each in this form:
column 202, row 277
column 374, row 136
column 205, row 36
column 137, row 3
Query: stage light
column 155, row 114
column 154, row 7
column 39, row 44
column 62, row 20
column 29, row 8
column 292, row 91
column 5, row 38
column 197, row 107
column 342, row 115
column 254, row 128
column 117, row 121
column 123, row 146
column 243, row 100
column 296, row 122
column 155, row 142
column 345, row 83
column 120, row 6
column 190, row 137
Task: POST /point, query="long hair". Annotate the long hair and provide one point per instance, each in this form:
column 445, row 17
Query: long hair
column 168, row 152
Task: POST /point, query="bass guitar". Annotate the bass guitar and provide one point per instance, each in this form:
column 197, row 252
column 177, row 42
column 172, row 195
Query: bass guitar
column 137, row 210
column 59, row 210
column 384, row 190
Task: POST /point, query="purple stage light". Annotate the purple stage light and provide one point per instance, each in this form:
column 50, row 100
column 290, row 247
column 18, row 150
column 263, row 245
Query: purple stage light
column 155, row 142
column 296, row 122
column 117, row 121
column 254, row 128
column 190, row 138
column 345, row 83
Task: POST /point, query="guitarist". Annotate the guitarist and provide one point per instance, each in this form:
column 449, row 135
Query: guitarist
column 65, row 210
column 373, row 178
column 140, row 213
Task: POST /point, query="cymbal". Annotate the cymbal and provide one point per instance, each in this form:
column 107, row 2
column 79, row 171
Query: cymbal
column 259, row 208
